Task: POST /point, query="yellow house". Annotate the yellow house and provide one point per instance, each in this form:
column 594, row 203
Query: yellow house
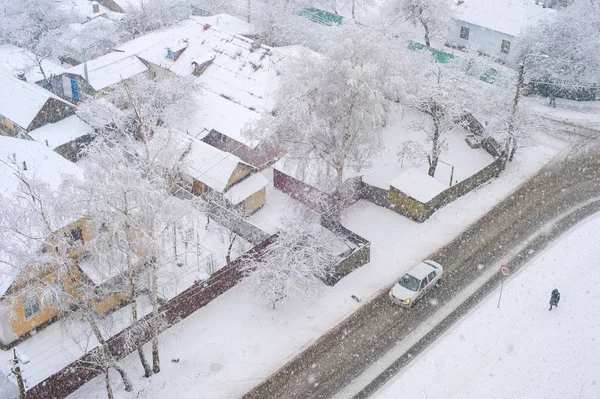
column 22, row 307
column 211, row 171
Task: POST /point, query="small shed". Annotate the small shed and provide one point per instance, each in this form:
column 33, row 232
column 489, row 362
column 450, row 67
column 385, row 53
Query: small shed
column 412, row 190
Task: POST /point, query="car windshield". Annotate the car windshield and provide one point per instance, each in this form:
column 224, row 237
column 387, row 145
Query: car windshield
column 410, row 282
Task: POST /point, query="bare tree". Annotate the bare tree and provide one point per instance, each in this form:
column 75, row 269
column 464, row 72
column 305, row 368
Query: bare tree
column 444, row 93
column 571, row 60
column 294, row 264
column 143, row 17
column 331, row 107
column 432, row 15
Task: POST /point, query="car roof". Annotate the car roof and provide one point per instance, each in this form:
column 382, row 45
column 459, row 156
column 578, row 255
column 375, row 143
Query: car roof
column 421, row 270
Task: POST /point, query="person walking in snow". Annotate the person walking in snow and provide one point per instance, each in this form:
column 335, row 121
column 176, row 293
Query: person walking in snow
column 554, row 298
column 552, row 101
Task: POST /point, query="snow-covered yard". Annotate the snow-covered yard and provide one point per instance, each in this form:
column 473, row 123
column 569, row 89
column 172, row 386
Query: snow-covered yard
column 407, row 127
column 521, row 350
column 236, row 341
column 61, row 343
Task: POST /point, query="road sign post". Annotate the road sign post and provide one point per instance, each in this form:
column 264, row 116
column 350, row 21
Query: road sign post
column 504, row 271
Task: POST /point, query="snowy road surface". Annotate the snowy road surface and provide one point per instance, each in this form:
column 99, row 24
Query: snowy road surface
column 346, row 351
column 522, row 350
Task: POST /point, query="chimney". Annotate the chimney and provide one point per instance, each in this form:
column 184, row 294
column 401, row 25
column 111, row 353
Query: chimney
column 21, row 76
column 95, row 8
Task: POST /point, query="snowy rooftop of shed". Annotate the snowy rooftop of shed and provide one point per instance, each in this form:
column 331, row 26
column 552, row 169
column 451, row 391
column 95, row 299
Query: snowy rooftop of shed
column 42, row 163
column 14, row 60
column 110, row 69
column 208, row 164
column 507, row 16
column 418, row 185
column 21, row 101
column 247, row 187
column 61, row 132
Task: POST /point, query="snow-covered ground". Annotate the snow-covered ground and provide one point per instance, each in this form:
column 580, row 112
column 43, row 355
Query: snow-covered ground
column 521, row 350
column 408, row 126
column 236, row 341
column 582, row 113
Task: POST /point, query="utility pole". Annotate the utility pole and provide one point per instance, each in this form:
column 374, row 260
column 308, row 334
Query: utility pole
column 17, row 371
column 249, row 10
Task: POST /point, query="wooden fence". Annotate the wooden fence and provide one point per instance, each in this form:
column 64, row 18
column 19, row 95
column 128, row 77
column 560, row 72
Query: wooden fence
column 76, row 374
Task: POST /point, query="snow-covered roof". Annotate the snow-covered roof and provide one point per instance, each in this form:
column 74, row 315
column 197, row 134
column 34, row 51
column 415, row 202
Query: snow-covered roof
column 56, row 134
column 242, row 73
column 21, row 101
column 507, row 16
column 83, row 8
column 208, row 164
column 42, row 163
column 247, row 187
column 418, row 185
column 14, row 60
column 110, row 69
column 218, row 113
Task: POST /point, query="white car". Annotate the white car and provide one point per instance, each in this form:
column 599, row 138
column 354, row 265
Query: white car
column 416, row 282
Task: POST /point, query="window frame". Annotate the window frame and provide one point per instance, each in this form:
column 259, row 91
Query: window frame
column 466, row 30
column 31, row 307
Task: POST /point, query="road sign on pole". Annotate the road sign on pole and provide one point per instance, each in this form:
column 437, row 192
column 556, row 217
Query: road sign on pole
column 505, row 271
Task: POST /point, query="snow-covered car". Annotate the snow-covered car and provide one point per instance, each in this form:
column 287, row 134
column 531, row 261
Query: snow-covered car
column 414, row 284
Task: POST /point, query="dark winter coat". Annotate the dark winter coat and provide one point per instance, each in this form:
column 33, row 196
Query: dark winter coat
column 555, row 297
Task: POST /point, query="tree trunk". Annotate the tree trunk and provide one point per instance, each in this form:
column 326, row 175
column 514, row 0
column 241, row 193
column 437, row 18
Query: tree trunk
column 109, row 391
column 354, row 10
column 435, row 151
column 107, row 356
column 155, row 354
column 132, row 290
column 427, row 37
column 228, row 256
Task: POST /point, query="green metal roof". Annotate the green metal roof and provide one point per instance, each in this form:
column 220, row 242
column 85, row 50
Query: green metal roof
column 321, row 16
column 440, row 56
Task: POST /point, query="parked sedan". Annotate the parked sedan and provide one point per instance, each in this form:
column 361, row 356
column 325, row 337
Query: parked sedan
column 414, row 284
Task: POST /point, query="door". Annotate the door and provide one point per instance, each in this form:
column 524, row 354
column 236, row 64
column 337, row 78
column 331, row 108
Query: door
column 75, row 89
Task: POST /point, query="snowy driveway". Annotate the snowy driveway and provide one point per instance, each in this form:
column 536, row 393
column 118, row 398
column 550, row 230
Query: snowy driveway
column 341, row 355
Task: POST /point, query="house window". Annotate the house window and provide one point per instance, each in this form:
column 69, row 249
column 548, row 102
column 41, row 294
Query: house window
column 464, row 32
column 75, row 235
column 505, row 48
column 31, row 306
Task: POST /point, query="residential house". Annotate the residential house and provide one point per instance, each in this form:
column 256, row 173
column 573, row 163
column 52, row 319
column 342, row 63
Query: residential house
column 67, row 137
column 85, row 10
column 212, row 173
column 492, row 27
column 22, row 309
column 238, row 76
column 25, row 107
column 26, row 66
column 105, row 72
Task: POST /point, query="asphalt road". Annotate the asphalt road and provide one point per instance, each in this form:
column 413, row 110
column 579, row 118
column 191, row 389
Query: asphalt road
column 342, row 354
